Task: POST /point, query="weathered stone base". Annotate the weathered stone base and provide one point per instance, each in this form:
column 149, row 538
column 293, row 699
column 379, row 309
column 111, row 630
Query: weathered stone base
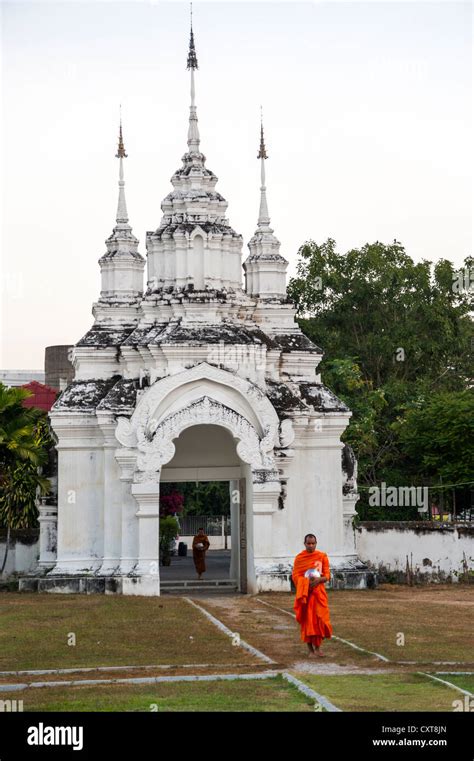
column 351, row 573
column 342, row 578
column 348, row 578
column 347, row 572
column 71, row 584
column 147, row 586
column 278, row 580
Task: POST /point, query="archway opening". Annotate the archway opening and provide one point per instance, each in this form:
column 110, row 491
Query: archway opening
column 202, row 481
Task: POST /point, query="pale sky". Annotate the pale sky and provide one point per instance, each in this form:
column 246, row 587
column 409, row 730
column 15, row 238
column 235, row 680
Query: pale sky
column 368, row 124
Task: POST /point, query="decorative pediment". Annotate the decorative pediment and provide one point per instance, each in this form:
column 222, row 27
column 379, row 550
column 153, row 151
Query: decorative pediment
column 154, row 440
column 226, row 387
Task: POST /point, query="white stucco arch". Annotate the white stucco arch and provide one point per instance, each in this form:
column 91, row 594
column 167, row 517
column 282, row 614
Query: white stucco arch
column 239, row 394
column 202, row 411
column 202, row 394
column 187, row 393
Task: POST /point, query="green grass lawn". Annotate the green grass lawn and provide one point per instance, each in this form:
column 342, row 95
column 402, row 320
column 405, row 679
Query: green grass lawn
column 274, row 694
column 134, row 631
column 34, row 632
column 465, row 681
column 383, row 692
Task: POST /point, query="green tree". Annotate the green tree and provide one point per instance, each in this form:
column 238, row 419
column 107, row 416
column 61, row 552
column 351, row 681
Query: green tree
column 18, row 440
column 399, row 320
column 438, row 437
column 344, row 377
column 395, row 333
column 169, row 530
column 203, row 497
column 24, row 445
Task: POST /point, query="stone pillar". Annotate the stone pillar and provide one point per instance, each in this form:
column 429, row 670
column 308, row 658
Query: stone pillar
column 48, row 521
column 146, row 576
column 349, row 502
column 265, row 493
column 80, row 493
column 112, row 516
column 126, row 459
column 234, row 529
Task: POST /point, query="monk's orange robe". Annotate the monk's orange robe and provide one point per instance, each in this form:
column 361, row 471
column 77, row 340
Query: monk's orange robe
column 311, row 605
column 199, row 556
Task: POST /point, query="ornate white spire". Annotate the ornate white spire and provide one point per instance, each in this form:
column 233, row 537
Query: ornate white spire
column 193, row 130
column 265, row 267
column 263, row 217
column 121, row 266
column 122, row 214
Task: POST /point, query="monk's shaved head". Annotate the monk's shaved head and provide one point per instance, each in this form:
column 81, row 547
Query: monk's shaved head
column 313, row 536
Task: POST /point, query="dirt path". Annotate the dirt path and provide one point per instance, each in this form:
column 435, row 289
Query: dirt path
column 274, row 633
column 268, row 625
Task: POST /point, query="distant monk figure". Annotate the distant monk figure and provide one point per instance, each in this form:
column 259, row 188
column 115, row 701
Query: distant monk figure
column 200, row 546
column 310, row 572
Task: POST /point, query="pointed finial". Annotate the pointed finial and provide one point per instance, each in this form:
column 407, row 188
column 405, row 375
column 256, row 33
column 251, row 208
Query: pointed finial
column 262, row 154
column 122, row 214
column 192, row 58
column 263, row 217
column 121, row 148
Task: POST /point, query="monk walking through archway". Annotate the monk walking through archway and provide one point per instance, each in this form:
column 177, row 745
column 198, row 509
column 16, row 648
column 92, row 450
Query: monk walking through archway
column 201, row 545
column 310, row 573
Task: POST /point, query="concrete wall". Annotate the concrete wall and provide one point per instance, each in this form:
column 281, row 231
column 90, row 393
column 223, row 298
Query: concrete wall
column 23, row 553
column 433, row 552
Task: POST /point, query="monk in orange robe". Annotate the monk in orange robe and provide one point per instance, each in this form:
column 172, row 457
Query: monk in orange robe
column 310, row 573
column 201, row 545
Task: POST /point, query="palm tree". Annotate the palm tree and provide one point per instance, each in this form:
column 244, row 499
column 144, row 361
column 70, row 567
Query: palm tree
column 24, row 444
column 17, row 428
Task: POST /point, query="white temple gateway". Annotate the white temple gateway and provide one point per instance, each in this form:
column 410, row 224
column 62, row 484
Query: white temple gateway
column 196, row 379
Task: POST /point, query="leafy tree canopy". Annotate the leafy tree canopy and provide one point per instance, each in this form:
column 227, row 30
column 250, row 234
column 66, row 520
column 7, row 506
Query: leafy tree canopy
column 398, row 341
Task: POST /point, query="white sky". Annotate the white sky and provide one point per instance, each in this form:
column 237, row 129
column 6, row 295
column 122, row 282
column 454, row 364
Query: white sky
column 367, row 112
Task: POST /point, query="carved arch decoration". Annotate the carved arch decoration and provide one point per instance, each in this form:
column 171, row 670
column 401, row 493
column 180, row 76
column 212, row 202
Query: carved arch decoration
column 155, row 441
column 153, row 437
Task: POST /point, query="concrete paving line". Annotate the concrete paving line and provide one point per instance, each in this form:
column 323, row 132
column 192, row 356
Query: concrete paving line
column 45, row 672
column 435, row 663
column 138, row 680
column 311, row 693
column 453, row 673
column 231, row 634
column 339, row 639
column 449, row 684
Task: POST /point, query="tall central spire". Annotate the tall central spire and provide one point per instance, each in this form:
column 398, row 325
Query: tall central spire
column 193, row 131
column 122, row 214
column 263, row 217
column 194, row 249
